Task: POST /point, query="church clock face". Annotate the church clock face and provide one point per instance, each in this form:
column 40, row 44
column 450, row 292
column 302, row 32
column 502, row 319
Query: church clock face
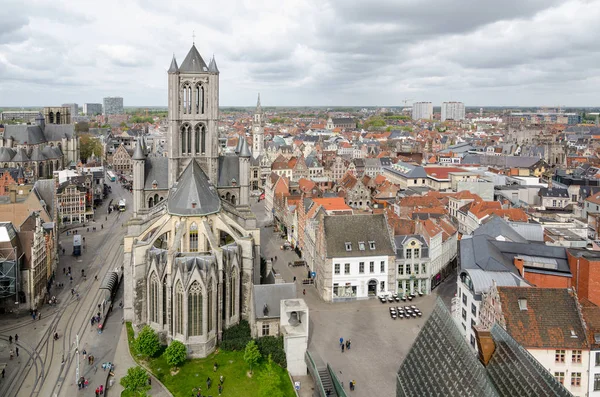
column 256, row 129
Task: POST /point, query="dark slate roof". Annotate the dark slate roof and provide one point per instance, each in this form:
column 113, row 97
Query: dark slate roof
column 156, row 169
column 50, row 153
column 229, row 169
column 32, row 134
column 173, row 68
column 193, row 62
column 495, row 227
column 212, row 66
column 138, row 153
column 244, row 149
column 192, row 188
column 37, row 155
column 553, row 192
column 479, row 252
column 271, row 295
column 343, row 120
column 6, row 154
column 21, row 156
column 407, row 170
column 551, row 321
column 56, row 132
column 584, row 191
column 440, row 363
column 340, row 229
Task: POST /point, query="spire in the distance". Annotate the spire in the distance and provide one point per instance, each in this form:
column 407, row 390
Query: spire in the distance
column 212, row 66
column 173, row 68
column 258, row 106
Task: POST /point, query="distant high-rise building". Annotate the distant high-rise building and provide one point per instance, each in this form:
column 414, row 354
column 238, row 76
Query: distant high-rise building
column 113, row 105
column 92, row 109
column 74, row 108
column 422, row 110
column 453, row 111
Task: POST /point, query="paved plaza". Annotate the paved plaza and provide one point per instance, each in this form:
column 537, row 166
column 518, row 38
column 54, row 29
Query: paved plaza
column 379, row 344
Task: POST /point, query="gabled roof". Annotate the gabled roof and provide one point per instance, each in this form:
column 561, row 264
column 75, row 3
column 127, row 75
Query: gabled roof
column 193, row 194
column 193, row 62
column 340, row 229
column 551, row 321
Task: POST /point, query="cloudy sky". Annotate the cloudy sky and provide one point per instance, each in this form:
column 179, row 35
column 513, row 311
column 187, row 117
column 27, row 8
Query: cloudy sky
column 305, row 52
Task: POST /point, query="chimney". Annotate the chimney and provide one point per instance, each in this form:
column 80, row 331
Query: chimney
column 519, row 264
column 13, row 196
column 485, row 344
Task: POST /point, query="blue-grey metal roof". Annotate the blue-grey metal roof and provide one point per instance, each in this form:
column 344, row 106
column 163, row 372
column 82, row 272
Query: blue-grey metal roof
column 407, row 170
column 495, row 227
column 156, row 169
column 193, row 194
column 229, row 170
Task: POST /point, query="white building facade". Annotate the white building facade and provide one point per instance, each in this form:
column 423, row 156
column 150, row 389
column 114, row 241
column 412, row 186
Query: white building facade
column 422, row 110
column 453, row 111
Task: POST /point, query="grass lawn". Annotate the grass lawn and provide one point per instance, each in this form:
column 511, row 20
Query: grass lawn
column 194, row 373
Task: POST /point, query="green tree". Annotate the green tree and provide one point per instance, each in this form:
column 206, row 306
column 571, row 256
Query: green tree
column 147, row 342
column 269, row 381
column 251, row 354
column 123, row 124
column 136, row 381
column 176, row 353
column 88, row 146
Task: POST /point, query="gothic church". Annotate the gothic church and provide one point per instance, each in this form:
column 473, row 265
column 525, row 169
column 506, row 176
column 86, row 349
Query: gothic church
column 192, row 247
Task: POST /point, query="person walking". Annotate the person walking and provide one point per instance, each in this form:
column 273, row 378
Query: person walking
column 220, row 389
column 97, row 392
column 17, row 351
column 303, row 292
column 351, row 386
column 3, row 372
column 11, row 354
column 84, row 354
column 101, row 389
column 16, row 338
column 341, row 341
column 342, row 347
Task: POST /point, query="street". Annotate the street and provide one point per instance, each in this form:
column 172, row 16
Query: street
column 48, row 367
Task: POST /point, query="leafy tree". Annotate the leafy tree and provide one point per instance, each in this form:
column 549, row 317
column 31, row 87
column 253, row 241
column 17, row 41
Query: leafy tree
column 123, row 124
column 89, row 145
column 269, row 381
column 136, row 381
column 272, row 346
column 176, row 353
column 147, row 342
column 251, row 354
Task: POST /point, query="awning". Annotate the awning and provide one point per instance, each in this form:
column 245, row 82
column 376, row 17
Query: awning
column 110, row 282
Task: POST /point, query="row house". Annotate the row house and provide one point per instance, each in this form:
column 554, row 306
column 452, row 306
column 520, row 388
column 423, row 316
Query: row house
column 548, row 323
column 274, row 185
column 459, row 200
column 355, row 257
column 552, row 198
column 74, row 201
column 9, row 179
column 472, row 215
column 121, row 160
column 357, row 195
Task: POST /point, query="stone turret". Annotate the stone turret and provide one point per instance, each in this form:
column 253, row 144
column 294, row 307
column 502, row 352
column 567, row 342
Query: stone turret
column 138, row 162
column 244, row 156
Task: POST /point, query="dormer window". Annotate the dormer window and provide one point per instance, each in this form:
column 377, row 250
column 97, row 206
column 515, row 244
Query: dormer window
column 371, row 245
column 154, row 184
column 348, row 246
column 193, row 204
column 361, row 245
column 233, row 182
column 522, row 304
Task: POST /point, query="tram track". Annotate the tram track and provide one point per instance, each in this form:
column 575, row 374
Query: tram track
column 43, row 363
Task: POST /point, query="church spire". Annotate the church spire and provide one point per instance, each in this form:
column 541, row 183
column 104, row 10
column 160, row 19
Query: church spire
column 258, row 107
column 174, row 68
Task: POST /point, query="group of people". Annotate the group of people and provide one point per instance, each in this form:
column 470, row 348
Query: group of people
column 345, row 345
column 35, row 314
column 99, row 390
column 209, row 383
column 11, row 353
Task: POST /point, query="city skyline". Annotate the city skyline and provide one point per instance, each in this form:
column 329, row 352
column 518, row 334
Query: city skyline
column 533, row 53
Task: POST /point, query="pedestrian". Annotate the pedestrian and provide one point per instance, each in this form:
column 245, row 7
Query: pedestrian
column 11, row 353
column 63, row 251
column 70, row 280
column 348, row 343
column 39, row 315
column 86, row 383
column 10, row 339
column 208, row 382
column 215, row 367
column 294, row 278
column 101, row 389
column 64, row 271
column 33, row 315
column 17, row 351
column 97, row 392
column 342, row 347
column 84, row 354
column 90, row 360
column 149, row 381
column 303, row 292
column 221, row 379
column 341, row 341
column 220, row 389
column 351, row 386
column 69, row 269
column 3, row 372
column 16, row 338
column 96, row 277
column 328, row 392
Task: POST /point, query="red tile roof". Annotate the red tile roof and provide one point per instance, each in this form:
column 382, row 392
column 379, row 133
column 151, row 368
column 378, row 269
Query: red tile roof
column 441, row 172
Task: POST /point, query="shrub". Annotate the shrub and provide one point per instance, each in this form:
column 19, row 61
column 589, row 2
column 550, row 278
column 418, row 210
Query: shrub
column 236, row 337
column 147, row 342
column 272, row 346
column 269, row 381
column 176, row 353
column 136, row 381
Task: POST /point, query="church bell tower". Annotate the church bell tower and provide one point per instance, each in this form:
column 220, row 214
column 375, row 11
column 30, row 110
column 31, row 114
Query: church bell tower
column 258, row 131
column 193, row 115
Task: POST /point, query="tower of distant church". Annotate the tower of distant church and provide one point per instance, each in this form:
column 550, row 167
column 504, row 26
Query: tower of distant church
column 258, row 131
column 193, row 115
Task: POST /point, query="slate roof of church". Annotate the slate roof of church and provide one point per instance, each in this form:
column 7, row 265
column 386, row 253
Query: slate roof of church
column 229, row 169
column 193, row 62
column 34, row 135
column 156, row 169
column 193, row 188
column 440, row 363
